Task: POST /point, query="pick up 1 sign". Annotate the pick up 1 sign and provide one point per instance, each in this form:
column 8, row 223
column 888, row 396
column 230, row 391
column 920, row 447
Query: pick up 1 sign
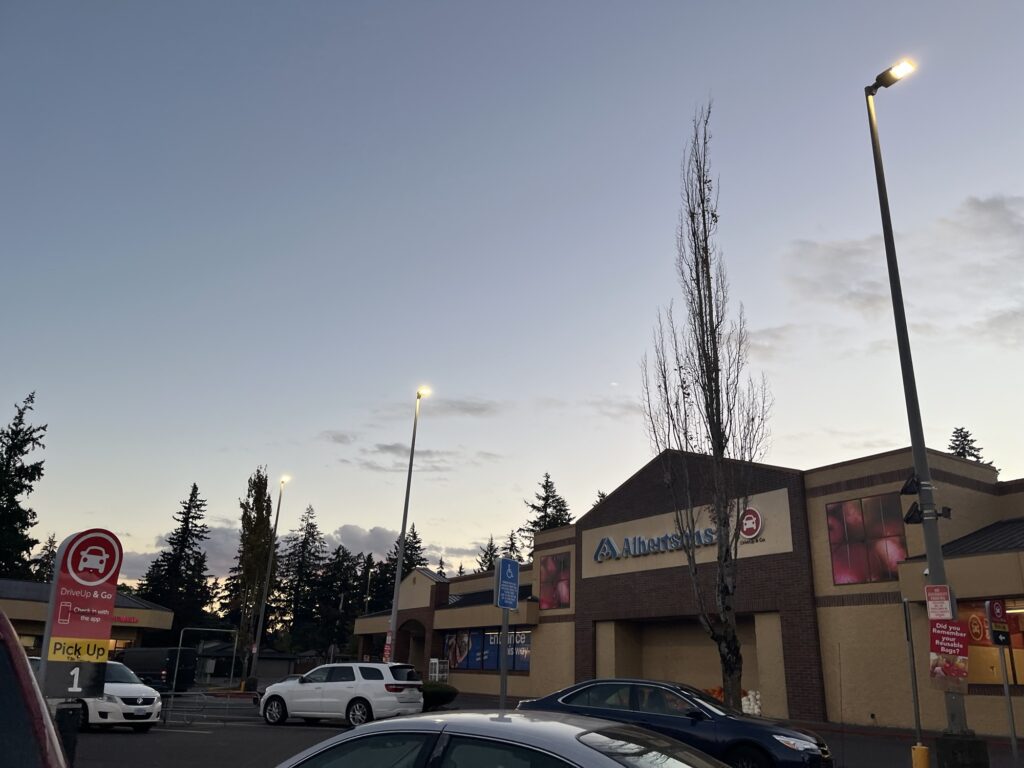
column 80, row 615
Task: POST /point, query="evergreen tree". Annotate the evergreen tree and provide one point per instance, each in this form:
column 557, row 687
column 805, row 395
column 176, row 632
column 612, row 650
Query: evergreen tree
column 488, row 554
column 440, row 568
column 962, row 444
column 340, row 589
column 43, row 563
column 301, row 570
column 177, row 578
column 601, row 496
column 17, row 479
column 461, row 571
column 413, row 558
column 549, row 511
column 244, row 585
column 511, row 548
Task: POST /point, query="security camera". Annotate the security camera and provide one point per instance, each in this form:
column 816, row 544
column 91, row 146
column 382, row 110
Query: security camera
column 924, row 572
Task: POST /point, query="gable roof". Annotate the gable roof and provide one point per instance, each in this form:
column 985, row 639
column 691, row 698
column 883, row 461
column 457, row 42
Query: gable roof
column 1004, row 536
column 34, row 591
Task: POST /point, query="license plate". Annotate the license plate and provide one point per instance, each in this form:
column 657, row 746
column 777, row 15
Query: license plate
column 140, row 711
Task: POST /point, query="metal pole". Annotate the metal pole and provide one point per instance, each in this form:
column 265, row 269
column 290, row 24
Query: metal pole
column 266, row 587
column 956, row 715
column 503, row 659
column 389, row 649
column 913, row 671
column 1009, row 706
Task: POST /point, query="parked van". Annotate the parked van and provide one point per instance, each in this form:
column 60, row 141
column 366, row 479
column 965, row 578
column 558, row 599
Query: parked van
column 155, row 666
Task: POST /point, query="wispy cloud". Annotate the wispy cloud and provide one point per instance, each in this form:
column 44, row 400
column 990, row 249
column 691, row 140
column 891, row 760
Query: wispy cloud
column 615, row 407
column 337, row 436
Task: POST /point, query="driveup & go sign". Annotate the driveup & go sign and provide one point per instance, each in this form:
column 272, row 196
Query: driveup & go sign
column 80, row 614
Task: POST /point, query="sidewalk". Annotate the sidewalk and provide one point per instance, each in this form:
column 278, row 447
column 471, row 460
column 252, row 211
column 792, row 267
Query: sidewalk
column 852, row 746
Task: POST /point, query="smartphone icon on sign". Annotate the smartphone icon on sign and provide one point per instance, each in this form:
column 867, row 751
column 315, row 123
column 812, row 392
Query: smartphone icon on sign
column 64, row 614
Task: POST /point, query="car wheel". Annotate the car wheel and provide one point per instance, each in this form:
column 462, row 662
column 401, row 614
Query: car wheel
column 358, row 712
column 747, row 757
column 275, row 712
column 142, row 728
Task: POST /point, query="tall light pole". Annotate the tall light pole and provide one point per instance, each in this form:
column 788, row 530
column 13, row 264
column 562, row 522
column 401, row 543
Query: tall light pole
column 956, row 716
column 389, row 643
column 266, row 582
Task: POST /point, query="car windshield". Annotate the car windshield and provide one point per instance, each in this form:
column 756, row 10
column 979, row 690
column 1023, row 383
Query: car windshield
column 637, row 747
column 119, row 673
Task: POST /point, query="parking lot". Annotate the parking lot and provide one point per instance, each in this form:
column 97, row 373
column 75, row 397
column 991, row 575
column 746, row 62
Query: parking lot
column 199, row 745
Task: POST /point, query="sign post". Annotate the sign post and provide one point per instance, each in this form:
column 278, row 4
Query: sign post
column 506, row 597
column 999, row 629
column 80, row 614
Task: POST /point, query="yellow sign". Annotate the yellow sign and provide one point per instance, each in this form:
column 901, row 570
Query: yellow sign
column 76, row 649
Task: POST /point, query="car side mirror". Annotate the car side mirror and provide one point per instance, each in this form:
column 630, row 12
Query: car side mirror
column 303, row 680
column 695, row 714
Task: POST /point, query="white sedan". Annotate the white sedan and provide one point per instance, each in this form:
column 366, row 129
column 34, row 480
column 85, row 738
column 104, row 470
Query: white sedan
column 126, row 700
column 356, row 692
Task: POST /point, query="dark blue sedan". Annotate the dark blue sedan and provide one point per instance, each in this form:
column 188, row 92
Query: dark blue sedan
column 693, row 717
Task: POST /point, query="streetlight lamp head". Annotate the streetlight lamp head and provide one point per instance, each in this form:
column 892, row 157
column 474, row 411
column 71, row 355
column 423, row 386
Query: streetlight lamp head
column 423, row 391
column 286, row 479
column 895, row 73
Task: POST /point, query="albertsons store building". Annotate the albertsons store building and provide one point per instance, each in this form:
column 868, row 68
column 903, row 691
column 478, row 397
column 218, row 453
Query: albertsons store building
column 825, row 564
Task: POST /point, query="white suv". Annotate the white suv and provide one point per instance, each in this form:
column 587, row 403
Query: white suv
column 357, row 692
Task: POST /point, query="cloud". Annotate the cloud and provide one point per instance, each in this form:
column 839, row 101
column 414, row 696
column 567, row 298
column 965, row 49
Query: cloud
column 615, row 408
column 377, row 541
column 774, row 342
column 470, row 406
column 135, row 564
column 337, row 436
column 960, row 275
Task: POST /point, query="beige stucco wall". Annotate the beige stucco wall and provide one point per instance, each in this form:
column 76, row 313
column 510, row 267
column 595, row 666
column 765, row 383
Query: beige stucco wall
column 415, row 591
column 679, row 651
column 776, row 538
column 771, row 665
column 484, row 616
column 865, row 665
column 977, row 576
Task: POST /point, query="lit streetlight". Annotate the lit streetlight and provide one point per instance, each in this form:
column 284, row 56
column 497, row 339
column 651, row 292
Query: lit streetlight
column 389, row 643
column 266, row 581
column 956, row 716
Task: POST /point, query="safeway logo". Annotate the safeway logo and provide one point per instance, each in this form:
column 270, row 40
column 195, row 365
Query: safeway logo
column 751, row 524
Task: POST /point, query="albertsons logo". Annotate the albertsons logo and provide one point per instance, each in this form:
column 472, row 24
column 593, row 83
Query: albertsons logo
column 606, row 550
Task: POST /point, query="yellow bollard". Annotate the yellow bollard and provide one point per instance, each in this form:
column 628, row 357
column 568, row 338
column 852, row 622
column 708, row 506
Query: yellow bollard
column 919, row 756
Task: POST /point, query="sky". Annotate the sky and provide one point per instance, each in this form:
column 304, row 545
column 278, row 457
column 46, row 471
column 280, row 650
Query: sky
column 238, row 234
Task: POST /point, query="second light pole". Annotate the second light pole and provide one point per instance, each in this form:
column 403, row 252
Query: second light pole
column 389, row 642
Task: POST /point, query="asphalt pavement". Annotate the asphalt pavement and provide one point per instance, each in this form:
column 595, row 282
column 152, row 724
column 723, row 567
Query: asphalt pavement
column 217, row 732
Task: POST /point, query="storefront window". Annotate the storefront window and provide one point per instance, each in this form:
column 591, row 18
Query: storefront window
column 983, row 654
column 554, row 581
column 867, row 539
column 479, row 649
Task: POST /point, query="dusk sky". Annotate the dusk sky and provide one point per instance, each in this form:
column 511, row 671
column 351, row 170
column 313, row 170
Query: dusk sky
column 243, row 233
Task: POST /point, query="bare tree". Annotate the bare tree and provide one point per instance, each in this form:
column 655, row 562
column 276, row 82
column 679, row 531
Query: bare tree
column 705, row 415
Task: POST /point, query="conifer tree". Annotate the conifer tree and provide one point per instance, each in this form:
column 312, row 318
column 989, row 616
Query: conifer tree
column 511, row 549
column 461, row 571
column 340, row 596
column 244, row 585
column 549, row 511
column 488, row 554
column 17, row 480
column 177, row 578
column 301, row 569
column 440, row 567
column 44, row 562
column 962, row 444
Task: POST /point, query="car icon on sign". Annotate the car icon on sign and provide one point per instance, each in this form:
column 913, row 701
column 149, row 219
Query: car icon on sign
column 92, row 559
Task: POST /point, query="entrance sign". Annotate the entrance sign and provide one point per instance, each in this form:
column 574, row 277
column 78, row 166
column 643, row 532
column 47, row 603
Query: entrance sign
column 939, row 604
column 80, row 614
column 998, row 622
column 506, row 584
column 948, row 657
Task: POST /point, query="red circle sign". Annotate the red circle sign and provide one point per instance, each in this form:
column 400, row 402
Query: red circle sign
column 751, row 523
column 998, row 612
column 92, row 558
